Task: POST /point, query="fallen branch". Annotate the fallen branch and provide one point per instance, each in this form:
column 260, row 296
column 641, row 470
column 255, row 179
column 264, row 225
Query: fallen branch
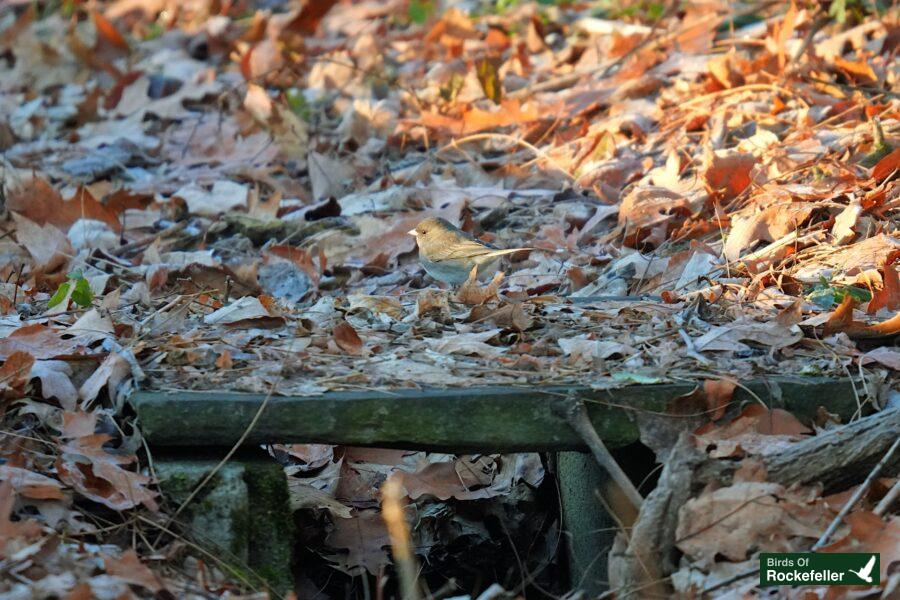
column 577, row 416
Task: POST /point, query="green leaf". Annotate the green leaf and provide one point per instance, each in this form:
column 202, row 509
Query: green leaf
column 61, row 292
column 419, row 11
column 655, row 11
column 296, row 101
column 826, row 294
column 858, row 294
column 823, row 297
column 838, row 10
column 82, row 294
column 490, row 80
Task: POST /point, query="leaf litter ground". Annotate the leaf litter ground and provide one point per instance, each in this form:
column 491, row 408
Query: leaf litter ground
column 219, row 199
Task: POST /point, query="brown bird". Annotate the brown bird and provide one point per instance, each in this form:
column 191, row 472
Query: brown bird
column 449, row 254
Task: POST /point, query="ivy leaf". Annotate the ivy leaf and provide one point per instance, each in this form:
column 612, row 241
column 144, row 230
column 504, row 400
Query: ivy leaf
column 82, row 294
column 61, row 292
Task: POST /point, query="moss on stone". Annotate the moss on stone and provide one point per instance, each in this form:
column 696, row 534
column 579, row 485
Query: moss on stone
column 271, row 524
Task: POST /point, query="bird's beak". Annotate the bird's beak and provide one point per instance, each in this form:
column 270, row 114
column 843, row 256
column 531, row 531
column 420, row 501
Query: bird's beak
column 412, row 232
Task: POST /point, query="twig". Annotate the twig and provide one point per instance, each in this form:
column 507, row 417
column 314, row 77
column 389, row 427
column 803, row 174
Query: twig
column 888, row 499
column 729, row 581
column 398, row 531
column 225, row 459
column 856, row 496
column 169, row 232
column 577, row 416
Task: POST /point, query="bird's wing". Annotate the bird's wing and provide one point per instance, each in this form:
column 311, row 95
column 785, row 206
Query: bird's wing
column 461, row 249
column 864, row 573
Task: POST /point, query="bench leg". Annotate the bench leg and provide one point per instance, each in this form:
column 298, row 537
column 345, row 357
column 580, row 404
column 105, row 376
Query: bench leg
column 242, row 515
column 589, row 530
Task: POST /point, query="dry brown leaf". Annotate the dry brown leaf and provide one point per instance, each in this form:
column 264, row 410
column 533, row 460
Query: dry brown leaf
column 888, row 296
column 365, row 540
column 648, row 213
column 98, row 475
column 129, row 567
column 29, row 484
column 886, row 166
column 734, row 521
column 871, row 533
column 41, row 342
column 49, row 246
column 347, row 339
column 718, row 394
column 14, row 535
column 767, row 225
column 112, row 371
column 307, row 20
column 727, row 173
column 286, row 128
column 857, row 69
column 38, row 201
column 472, row 293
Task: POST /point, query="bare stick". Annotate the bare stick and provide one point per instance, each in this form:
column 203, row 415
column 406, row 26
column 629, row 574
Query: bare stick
column 212, row 473
column 398, row 531
column 577, row 416
column 889, row 499
column 856, row 496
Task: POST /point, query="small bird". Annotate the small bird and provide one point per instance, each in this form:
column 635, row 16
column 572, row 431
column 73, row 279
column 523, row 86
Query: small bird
column 449, row 254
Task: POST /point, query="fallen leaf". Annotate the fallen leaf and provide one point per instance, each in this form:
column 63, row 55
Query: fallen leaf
column 287, row 129
column 888, row 296
column 889, row 357
column 38, row 201
column 49, row 246
column 727, row 172
column 347, row 339
column 111, row 372
column 55, row 381
column 735, row 520
column 768, row 225
column 472, row 294
column 886, row 166
column 99, row 476
column 129, row 567
column 29, row 484
column 718, row 394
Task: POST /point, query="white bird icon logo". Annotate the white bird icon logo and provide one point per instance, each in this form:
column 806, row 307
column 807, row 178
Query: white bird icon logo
column 865, row 572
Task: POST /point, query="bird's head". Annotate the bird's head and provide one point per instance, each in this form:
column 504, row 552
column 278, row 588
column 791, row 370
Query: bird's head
column 431, row 228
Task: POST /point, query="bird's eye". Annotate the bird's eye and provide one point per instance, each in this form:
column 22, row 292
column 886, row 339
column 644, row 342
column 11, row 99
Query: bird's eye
column 424, row 231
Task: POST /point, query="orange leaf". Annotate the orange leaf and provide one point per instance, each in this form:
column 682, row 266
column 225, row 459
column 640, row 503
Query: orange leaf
column 858, row 70
column 842, row 317
column 40, row 202
column 310, row 16
column 886, row 166
column 108, row 32
column 224, row 362
column 889, row 294
column 347, row 339
column 841, row 320
column 718, row 394
column 729, row 173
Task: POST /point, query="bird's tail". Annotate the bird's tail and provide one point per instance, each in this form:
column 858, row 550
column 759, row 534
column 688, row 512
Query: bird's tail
column 507, row 251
